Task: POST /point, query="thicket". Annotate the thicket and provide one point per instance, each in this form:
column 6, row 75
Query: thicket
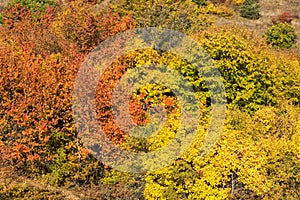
column 258, row 93
column 39, row 61
column 189, row 16
column 256, row 157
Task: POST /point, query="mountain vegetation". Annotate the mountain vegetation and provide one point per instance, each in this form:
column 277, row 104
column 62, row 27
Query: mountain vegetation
column 43, row 44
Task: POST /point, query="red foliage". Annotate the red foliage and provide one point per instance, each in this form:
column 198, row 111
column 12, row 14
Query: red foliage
column 138, row 106
column 39, row 59
column 81, row 26
column 105, row 88
column 283, row 17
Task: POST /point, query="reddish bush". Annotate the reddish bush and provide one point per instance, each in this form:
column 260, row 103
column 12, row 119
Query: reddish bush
column 39, row 59
column 81, row 25
column 283, row 17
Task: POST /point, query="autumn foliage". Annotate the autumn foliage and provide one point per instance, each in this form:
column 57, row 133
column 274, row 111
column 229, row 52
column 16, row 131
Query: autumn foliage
column 283, row 17
column 39, row 61
column 42, row 47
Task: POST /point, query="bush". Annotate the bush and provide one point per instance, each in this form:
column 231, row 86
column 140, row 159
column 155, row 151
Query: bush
column 283, row 17
column 186, row 18
column 37, row 132
column 250, row 10
column 236, row 160
column 34, row 5
column 281, row 35
column 253, row 76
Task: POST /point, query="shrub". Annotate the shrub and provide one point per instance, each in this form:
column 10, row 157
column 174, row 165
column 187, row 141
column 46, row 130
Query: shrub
column 250, row 9
column 80, row 25
column 236, row 168
column 281, row 35
column 253, row 76
column 283, row 17
column 34, row 5
column 187, row 16
column 38, row 63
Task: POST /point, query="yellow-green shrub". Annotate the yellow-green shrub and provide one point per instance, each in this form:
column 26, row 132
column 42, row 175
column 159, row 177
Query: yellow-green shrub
column 184, row 16
column 253, row 74
column 254, row 154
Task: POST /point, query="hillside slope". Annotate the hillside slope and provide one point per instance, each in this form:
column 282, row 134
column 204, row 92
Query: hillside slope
column 269, row 10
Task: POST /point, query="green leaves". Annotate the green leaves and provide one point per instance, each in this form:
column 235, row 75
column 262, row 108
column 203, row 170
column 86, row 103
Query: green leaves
column 34, row 5
column 183, row 16
column 281, row 35
column 253, row 75
column 250, row 9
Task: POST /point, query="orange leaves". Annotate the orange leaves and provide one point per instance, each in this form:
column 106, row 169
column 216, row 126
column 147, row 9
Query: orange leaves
column 14, row 15
column 169, row 102
column 39, row 59
column 138, row 112
column 33, row 157
column 81, row 25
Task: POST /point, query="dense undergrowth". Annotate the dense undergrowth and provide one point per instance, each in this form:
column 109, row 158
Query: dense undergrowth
column 43, row 44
